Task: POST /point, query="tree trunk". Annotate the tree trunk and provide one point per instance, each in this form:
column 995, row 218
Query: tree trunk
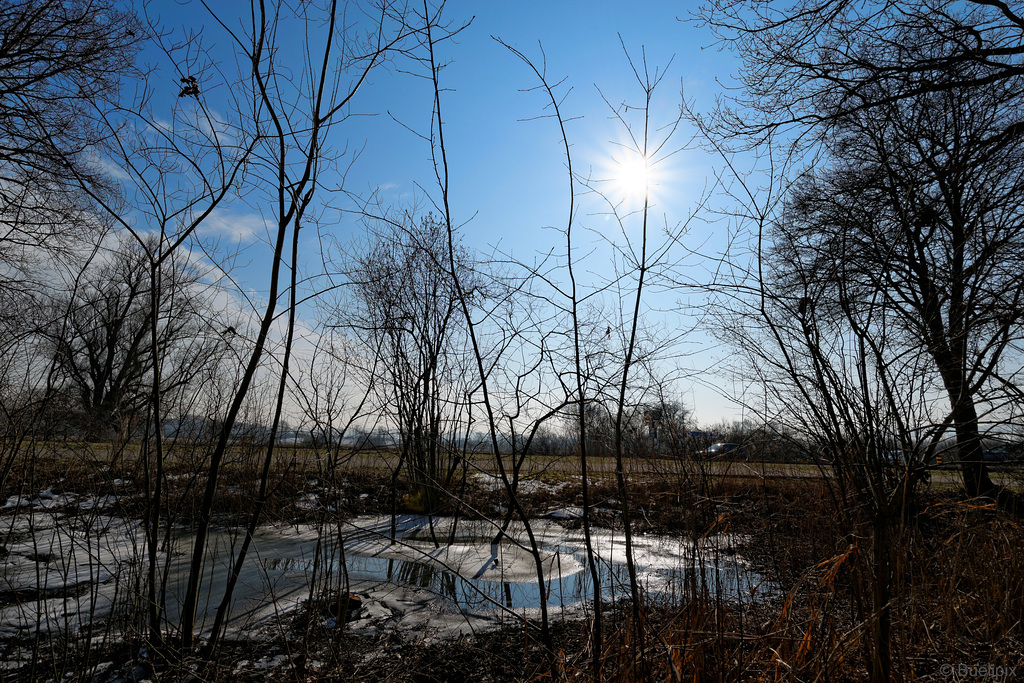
column 977, row 481
column 881, row 588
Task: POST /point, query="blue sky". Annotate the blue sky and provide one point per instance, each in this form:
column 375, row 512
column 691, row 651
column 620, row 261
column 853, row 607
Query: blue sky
column 509, row 171
column 508, row 176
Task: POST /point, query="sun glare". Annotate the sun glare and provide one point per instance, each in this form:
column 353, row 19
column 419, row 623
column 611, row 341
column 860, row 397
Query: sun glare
column 632, row 177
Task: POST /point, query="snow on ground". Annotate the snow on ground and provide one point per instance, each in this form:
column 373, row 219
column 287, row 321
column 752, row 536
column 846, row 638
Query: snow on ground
column 67, row 563
column 493, row 482
column 57, row 571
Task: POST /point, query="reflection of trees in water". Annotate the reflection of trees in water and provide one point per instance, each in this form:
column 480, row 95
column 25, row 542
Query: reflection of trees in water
column 465, row 594
column 692, row 577
column 423, row 576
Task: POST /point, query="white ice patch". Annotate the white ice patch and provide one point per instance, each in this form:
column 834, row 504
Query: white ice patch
column 503, row 562
column 493, row 482
column 308, row 501
column 440, row 575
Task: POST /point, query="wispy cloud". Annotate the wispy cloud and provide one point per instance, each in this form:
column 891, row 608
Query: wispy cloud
column 239, row 228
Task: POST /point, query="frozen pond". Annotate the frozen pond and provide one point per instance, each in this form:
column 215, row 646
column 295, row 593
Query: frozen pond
column 438, row 576
column 470, row 573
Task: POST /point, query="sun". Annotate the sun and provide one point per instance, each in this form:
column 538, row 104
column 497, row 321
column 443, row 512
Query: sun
column 632, row 176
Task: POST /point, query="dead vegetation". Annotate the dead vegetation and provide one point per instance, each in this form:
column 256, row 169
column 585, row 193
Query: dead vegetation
column 957, row 586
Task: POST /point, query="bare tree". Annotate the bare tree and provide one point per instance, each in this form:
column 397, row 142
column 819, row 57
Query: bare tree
column 883, row 297
column 807, row 62
column 60, row 63
column 914, row 114
column 840, row 381
column 406, row 309
column 100, row 336
column 290, row 113
column 58, row 58
column 923, row 208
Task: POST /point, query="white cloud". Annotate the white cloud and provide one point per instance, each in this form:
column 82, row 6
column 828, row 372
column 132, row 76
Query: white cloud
column 239, row 228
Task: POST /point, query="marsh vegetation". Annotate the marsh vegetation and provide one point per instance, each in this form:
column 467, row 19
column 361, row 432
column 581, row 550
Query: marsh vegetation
column 382, row 453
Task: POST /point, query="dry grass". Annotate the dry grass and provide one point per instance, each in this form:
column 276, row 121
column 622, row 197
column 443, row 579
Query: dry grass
column 957, row 585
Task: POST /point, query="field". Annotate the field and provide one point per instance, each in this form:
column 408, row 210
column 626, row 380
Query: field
column 956, row 580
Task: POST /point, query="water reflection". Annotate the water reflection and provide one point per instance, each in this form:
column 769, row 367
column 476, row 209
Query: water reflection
column 290, row 565
column 474, row 574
